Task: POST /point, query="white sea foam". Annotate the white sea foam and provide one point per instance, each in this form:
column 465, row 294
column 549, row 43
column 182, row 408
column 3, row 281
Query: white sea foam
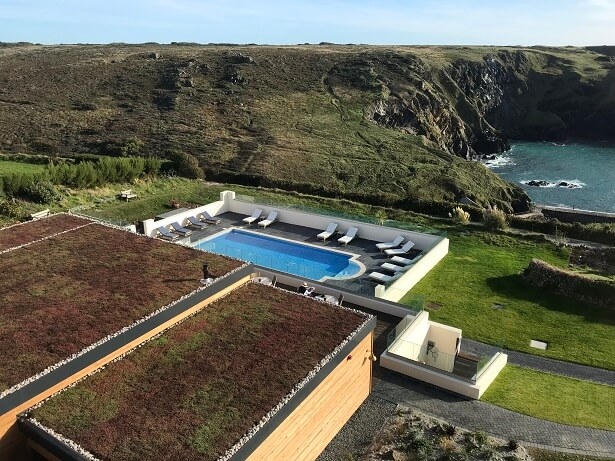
column 498, row 161
column 561, row 183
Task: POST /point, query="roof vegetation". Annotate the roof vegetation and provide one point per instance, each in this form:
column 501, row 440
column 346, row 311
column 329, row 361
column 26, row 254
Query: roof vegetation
column 191, row 393
column 73, row 289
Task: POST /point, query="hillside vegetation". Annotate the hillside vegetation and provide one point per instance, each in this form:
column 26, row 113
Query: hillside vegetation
column 385, row 125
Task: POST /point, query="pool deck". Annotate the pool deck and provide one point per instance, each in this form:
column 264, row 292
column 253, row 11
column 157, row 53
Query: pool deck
column 366, row 249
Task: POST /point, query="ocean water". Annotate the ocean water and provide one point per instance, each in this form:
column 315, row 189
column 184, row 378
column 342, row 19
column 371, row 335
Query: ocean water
column 575, row 175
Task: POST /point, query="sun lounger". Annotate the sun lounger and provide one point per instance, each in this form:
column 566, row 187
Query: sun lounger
column 328, row 232
column 209, row 218
column 400, row 251
column 273, row 216
column 180, row 230
column 351, row 233
column 253, row 217
column 393, row 244
column 406, row 261
column 166, row 234
column 391, row 267
column 384, row 278
column 192, row 221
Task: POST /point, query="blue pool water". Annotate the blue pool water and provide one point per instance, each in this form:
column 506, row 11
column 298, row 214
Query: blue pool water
column 293, row 258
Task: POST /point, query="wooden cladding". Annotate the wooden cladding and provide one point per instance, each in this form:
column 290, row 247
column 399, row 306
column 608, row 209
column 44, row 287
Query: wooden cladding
column 310, row 427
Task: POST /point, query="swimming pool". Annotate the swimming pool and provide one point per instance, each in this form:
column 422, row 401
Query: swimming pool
column 284, row 255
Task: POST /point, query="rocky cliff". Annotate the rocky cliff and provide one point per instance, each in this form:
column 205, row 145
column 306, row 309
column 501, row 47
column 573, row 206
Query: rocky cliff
column 388, row 125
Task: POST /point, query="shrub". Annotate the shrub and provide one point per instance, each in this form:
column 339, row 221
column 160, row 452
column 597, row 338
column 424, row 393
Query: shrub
column 494, row 218
column 10, row 208
column 40, row 192
column 133, row 146
column 187, row 165
column 512, row 444
column 460, row 216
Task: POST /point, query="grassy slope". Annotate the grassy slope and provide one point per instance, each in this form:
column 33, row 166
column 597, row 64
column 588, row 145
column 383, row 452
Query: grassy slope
column 289, row 119
column 8, row 167
column 579, row 403
column 482, row 269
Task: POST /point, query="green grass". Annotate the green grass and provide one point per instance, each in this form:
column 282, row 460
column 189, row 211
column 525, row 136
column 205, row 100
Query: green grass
column 8, row 167
column 554, row 398
column 483, row 269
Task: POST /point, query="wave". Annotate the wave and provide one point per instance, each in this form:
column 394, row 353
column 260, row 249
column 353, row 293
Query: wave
column 560, row 183
column 498, row 161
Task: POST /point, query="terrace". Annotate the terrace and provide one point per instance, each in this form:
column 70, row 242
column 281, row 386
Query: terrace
column 303, row 226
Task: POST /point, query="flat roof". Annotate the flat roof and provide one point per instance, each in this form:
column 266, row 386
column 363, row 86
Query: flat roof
column 194, row 391
column 71, row 282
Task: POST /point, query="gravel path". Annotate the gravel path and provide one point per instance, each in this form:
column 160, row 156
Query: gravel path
column 357, row 434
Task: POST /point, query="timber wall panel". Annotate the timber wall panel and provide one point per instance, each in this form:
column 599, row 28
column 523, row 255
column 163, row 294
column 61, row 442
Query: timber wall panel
column 310, row 427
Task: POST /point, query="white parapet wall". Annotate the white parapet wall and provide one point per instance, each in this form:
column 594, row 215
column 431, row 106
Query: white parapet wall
column 214, row 208
column 473, row 390
column 396, row 290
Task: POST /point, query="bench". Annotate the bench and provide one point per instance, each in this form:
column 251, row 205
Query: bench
column 127, row 194
column 39, row 214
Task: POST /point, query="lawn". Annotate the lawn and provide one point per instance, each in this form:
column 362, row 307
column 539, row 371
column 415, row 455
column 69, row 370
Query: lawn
column 8, row 167
column 194, row 391
column 482, row 270
column 580, row 403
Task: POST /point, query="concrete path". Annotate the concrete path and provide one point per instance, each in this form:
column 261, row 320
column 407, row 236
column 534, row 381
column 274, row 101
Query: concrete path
column 481, row 416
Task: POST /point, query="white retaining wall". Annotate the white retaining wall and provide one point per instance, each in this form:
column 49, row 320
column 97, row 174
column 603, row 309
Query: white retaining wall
column 396, row 290
column 446, row 380
column 150, row 226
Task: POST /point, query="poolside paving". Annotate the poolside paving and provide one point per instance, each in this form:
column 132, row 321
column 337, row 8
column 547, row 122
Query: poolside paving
column 366, row 249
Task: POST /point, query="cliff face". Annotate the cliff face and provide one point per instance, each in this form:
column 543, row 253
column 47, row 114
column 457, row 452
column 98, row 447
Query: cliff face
column 472, row 107
column 390, row 124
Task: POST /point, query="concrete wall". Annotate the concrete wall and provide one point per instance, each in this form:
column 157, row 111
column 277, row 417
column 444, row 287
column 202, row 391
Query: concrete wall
column 214, row 208
column 443, row 379
column 583, row 216
column 412, row 343
column 398, row 289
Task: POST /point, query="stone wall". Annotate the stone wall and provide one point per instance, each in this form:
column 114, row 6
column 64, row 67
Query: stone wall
column 570, row 284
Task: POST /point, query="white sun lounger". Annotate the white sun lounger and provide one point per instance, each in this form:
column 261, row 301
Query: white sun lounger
column 384, row 278
column 193, row 221
column 393, row 244
column 180, row 230
column 271, row 218
column 406, row 261
column 400, row 251
column 166, row 234
column 351, row 233
column 391, row 267
column 209, row 218
column 253, row 217
column 328, row 232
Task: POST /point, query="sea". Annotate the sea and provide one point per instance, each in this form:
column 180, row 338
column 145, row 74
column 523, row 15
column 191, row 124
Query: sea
column 573, row 175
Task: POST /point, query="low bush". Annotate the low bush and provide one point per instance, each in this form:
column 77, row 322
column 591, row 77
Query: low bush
column 40, row 192
column 494, row 218
column 595, row 232
column 460, row 216
column 187, row 165
column 10, row 208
